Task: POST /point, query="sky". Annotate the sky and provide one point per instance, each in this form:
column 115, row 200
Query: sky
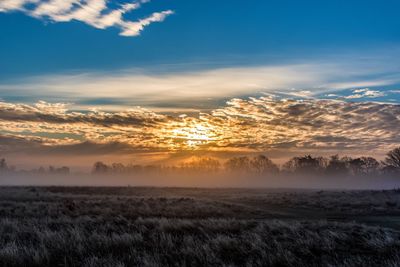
column 155, row 81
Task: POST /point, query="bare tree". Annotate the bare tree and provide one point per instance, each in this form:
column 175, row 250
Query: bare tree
column 363, row 166
column 3, row 165
column 118, row 168
column 306, row 164
column 238, row 164
column 100, row 168
column 392, row 160
column 262, row 165
column 336, row 166
column 201, row 164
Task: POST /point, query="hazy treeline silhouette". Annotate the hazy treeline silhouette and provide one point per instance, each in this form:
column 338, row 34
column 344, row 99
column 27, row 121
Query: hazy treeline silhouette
column 257, row 165
column 262, row 165
column 5, row 168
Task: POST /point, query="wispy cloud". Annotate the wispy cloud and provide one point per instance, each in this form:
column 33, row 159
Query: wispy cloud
column 145, row 88
column 134, row 28
column 95, row 13
column 365, row 93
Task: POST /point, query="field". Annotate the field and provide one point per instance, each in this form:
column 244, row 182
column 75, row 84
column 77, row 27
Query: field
column 143, row 226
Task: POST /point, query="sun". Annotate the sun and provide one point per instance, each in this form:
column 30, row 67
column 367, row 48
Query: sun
column 193, row 135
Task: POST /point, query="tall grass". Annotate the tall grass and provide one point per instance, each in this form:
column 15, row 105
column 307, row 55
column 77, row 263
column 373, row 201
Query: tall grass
column 171, row 227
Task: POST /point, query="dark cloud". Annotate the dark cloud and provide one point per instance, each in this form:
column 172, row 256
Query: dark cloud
column 57, row 113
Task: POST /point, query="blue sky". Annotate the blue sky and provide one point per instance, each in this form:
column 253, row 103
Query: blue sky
column 203, row 34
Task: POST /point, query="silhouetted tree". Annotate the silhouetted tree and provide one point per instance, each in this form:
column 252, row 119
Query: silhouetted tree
column 363, row 166
column 262, row 165
column 51, row 169
column 392, row 160
column 100, row 168
column 117, row 168
column 336, row 166
column 202, row 164
column 3, row 165
column 238, row 164
column 306, row 164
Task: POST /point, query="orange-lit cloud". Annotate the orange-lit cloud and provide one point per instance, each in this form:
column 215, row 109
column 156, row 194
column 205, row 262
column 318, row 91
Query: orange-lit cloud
column 254, row 124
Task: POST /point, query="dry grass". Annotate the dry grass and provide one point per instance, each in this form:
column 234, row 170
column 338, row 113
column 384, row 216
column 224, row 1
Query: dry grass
column 183, row 227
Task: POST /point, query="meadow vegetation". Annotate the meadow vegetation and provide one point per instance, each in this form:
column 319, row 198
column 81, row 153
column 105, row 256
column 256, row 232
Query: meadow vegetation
column 139, row 226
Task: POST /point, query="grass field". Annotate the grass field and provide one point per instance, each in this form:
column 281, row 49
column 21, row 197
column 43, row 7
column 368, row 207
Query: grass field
column 142, row 226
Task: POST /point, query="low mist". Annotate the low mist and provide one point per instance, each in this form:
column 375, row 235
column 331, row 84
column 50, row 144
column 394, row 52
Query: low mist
column 306, row 172
column 204, row 180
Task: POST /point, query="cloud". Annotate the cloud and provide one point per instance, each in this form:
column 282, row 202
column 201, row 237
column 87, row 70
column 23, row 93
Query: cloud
column 173, row 89
column 365, row 93
column 242, row 125
column 58, row 113
column 95, row 13
column 269, row 123
column 134, row 28
column 301, row 93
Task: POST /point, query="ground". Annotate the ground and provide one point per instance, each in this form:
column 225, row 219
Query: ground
column 143, row 226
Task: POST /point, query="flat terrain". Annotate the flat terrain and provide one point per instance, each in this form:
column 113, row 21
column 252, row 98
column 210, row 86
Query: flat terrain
column 142, row 226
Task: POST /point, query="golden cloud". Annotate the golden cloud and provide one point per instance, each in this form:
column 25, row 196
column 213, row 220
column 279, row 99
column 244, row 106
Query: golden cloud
column 255, row 124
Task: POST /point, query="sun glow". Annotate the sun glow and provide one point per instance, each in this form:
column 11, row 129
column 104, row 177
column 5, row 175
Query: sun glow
column 191, row 133
column 194, row 135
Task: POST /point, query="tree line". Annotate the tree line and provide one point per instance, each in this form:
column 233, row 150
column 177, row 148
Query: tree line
column 262, row 165
column 257, row 165
column 5, row 168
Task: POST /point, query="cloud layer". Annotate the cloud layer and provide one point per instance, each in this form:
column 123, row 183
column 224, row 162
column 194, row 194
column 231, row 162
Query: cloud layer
column 173, row 89
column 243, row 125
column 96, row 13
